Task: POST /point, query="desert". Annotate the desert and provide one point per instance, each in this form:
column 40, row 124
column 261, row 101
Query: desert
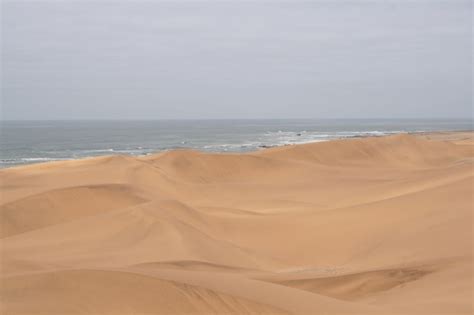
column 373, row 225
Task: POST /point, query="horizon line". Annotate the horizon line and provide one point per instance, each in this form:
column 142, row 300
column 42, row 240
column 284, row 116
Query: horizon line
column 227, row 119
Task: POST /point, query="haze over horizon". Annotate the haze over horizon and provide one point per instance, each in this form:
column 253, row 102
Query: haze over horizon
column 463, row 119
column 235, row 60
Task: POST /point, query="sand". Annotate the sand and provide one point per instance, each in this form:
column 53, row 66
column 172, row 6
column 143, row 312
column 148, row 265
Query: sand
column 358, row 226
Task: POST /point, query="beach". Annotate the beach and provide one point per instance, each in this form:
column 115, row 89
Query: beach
column 369, row 225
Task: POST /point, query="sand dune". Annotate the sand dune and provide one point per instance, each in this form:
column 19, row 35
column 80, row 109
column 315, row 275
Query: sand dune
column 358, row 226
column 61, row 205
column 358, row 285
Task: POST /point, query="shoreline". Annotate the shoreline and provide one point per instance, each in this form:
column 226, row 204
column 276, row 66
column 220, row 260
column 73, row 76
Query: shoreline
column 256, row 233
column 260, row 148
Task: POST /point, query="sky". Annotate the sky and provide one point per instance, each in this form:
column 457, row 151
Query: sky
column 73, row 59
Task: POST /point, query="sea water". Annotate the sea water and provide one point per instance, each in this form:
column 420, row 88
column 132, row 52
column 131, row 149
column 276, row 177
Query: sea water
column 25, row 142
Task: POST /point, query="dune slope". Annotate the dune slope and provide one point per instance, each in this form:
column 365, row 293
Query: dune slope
column 360, row 226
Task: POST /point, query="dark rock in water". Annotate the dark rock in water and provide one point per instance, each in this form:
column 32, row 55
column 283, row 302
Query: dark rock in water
column 264, row 146
column 298, row 134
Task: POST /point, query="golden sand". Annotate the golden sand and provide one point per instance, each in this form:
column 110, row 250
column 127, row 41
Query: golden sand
column 361, row 226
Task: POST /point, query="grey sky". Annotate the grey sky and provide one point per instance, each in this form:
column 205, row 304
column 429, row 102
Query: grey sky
column 171, row 60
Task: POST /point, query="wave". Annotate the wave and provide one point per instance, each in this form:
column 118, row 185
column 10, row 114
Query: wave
column 260, row 141
column 28, row 160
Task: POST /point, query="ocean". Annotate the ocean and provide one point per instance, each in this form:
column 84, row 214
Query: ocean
column 26, row 142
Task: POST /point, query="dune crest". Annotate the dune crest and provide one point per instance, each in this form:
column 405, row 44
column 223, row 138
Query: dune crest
column 377, row 225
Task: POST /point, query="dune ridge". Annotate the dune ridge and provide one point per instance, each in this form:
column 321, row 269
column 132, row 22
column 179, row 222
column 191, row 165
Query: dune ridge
column 379, row 225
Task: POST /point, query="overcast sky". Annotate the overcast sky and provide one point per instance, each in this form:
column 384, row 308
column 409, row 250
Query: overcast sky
column 179, row 60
